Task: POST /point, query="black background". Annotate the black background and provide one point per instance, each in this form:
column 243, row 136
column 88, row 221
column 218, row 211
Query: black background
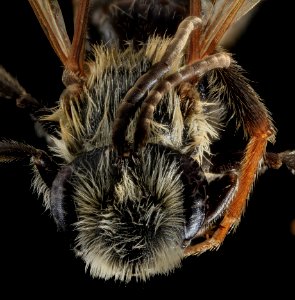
column 258, row 258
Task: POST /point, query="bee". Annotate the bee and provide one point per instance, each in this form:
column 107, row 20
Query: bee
column 135, row 167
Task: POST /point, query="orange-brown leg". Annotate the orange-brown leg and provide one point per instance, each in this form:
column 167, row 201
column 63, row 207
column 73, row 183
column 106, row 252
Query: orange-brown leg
column 193, row 49
column 254, row 152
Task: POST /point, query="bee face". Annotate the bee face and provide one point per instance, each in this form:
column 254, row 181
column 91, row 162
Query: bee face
column 128, row 224
column 129, row 167
column 132, row 216
column 133, row 213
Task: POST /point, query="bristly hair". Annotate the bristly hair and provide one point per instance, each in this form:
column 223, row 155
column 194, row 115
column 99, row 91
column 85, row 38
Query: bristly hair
column 129, row 212
column 242, row 100
column 90, row 123
column 130, row 225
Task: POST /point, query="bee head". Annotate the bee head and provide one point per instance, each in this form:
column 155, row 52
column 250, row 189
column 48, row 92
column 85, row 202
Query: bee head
column 130, row 212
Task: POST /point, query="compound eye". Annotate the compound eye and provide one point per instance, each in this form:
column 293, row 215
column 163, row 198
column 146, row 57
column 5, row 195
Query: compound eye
column 195, row 219
column 221, row 191
column 210, row 205
column 60, row 204
column 195, row 196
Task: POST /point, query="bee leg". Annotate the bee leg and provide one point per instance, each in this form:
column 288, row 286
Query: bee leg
column 76, row 59
column 222, row 189
column 12, row 151
column 48, row 176
column 193, row 71
column 249, row 167
column 254, row 152
column 277, row 160
column 74, row 73
column 129, row 104
column 10, row 88
column 59, row 204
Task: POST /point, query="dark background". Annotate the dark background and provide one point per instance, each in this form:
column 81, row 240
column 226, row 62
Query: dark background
column 258, row 258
